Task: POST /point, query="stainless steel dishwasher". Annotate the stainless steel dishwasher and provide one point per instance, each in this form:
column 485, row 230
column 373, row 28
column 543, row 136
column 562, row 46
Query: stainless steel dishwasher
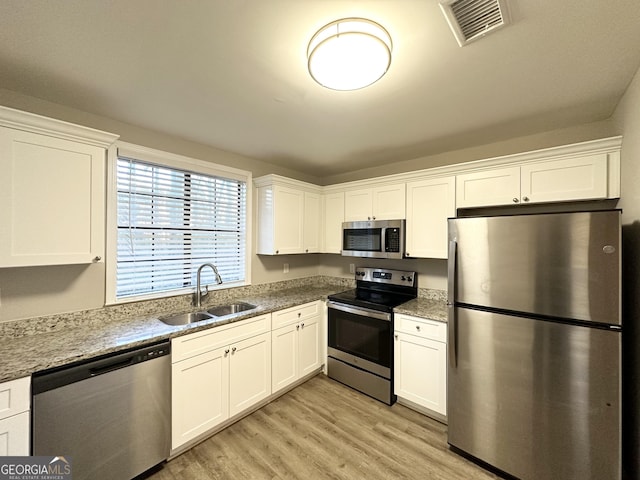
column 111, row 415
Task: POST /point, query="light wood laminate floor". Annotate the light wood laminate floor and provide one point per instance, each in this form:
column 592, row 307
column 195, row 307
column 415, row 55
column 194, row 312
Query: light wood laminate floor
column 323, row 429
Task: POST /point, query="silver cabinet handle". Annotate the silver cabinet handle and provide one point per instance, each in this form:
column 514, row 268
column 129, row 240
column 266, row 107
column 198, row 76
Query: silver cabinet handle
column 97, row 259
column 526, row 199
column 396, row 335
column 226, row 352
column 515, row 200
column 418, row 327
column 302, row 325
column 277, row 251
column 297, row 327
column 299, row 314
column 374, row 218
column 233, row 350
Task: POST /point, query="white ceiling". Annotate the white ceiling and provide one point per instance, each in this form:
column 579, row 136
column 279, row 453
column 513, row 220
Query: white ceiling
column 232, row 73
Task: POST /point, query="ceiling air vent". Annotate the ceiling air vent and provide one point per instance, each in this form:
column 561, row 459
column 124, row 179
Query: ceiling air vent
column 473, row 19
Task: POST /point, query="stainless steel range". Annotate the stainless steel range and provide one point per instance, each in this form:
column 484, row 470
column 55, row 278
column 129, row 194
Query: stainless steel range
column 361, row 330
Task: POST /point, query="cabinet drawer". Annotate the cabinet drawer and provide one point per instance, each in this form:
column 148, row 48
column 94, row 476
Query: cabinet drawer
column 216, row 337
column 15, row 397
column 293, row 314
column 421, row 327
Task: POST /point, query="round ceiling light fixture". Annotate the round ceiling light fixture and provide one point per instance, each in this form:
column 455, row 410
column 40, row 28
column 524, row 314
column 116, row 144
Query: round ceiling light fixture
column 349, row 54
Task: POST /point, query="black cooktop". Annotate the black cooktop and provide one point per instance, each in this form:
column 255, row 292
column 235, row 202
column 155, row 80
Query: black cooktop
column 373, row 299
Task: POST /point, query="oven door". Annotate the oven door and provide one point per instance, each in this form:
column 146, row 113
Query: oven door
column 361, row 337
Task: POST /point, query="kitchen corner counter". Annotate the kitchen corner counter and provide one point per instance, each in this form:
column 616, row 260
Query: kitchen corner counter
column 429, row 308
column 21, row 356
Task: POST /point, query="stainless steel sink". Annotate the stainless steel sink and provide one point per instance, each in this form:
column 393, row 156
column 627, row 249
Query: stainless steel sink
column 230, row 309
column 186, row 318
column 213, row 312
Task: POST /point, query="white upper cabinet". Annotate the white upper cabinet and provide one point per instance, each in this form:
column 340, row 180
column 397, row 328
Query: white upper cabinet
column 358, row 205
column 386, row 202
column 499, row 186
column 333, row 216
column 583, row 176
column 312, row 222
column 297, row 217
column 289, row 215
column 430, row 203
column 565, row 180
column 52, row 191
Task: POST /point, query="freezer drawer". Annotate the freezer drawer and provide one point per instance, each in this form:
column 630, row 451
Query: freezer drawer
column 537, row 399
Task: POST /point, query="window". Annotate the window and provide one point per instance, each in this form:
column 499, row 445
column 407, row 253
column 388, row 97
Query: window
column 169, row 221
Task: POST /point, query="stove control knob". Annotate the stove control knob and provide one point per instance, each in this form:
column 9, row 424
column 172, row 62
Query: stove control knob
column 403, row 278
column 409, row 279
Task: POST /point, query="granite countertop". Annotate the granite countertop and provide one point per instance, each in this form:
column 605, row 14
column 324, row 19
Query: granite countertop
column 429, row 308
column 21, row 356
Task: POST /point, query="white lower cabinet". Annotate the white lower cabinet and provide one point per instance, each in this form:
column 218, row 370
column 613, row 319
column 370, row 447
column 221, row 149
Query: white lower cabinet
column 217, row 374
column 296, row 348
column 420, row 369
column 15, row 417
column 200, row 398
column 249, row 373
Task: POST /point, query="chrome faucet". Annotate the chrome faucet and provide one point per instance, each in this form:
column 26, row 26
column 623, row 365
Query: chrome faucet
column 199, row 294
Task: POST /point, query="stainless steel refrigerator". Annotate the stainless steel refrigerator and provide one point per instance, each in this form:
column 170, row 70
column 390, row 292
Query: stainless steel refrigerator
column 534, row 380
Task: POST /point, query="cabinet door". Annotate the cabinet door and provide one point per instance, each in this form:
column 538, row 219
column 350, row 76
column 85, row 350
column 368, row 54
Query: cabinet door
column 52, row 197
column 288, row 220
column 312, row 220
column 15, row 396
column 564, row 180
column 199, row 395
column 333, row 213
column 389, row 202
column 309, row 346
column 429, row 204
column 14, row 435
column 500, row 186
column 284, row 355
column 420, row 371
column 249, row 372
column 358, row 205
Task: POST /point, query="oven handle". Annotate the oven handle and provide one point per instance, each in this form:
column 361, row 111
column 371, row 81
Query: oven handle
column 359, row 311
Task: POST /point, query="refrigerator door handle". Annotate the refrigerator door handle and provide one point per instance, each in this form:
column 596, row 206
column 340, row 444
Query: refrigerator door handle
column 451, row 309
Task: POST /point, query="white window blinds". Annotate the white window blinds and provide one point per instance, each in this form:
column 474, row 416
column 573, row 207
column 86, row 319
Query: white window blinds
column 171, row 221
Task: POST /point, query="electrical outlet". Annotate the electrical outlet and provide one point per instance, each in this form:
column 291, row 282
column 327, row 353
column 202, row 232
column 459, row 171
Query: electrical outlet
column 352, row 268
column 285, row 268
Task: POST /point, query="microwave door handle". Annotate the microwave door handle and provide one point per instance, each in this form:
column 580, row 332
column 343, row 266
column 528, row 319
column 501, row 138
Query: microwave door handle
column 451, row 305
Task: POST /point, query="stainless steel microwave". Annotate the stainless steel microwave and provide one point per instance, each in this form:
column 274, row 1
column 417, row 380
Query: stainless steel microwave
column 373, row 239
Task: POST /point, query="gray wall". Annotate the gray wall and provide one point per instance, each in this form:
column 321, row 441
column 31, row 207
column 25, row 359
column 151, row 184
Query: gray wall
column 627, row 120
